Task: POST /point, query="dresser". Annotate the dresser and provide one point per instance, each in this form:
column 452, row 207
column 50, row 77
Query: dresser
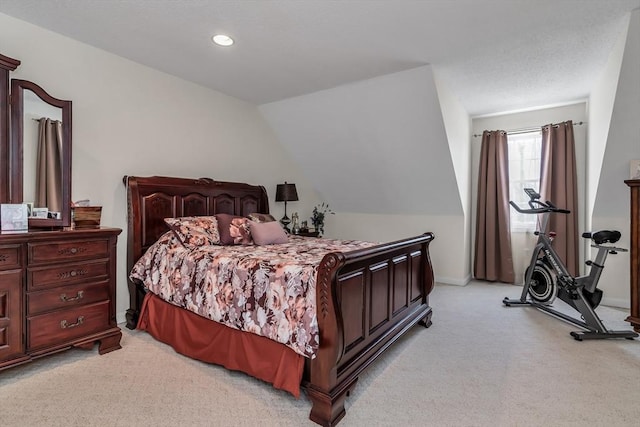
column 634, row 254
column 57, row 291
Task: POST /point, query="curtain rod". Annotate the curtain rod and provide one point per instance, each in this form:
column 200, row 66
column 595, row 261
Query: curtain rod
column 53, row 120
column 530, row 129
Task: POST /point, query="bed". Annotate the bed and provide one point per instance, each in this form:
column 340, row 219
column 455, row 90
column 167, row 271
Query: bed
column 365, row 299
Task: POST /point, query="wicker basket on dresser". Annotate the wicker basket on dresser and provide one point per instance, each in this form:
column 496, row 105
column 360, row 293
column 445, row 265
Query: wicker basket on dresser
column 57, row 291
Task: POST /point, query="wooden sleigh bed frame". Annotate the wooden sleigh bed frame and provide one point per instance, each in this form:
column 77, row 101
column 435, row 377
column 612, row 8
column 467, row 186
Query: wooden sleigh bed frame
column 366, row 299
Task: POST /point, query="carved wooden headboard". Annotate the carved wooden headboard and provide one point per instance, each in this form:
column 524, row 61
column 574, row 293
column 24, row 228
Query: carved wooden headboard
column 152, row 199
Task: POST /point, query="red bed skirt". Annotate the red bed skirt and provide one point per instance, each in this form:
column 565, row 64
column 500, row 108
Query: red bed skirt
column 209, row 341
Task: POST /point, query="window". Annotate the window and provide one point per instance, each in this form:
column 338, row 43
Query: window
column 524, row 172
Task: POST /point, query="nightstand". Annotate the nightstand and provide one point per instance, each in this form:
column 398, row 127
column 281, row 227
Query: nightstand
column 308, row 234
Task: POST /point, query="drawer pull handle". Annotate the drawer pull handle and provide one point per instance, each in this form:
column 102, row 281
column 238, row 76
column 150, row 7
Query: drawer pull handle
column 3, row 258
column 72, row 251
column 72, row 273
column 66, row 325
column 65, row 298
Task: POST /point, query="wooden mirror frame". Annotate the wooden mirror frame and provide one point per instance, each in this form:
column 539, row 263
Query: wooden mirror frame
column 6, row 66
column 16, row 151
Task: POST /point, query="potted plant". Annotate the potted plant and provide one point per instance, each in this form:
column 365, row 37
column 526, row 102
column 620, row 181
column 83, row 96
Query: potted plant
column 318, row 215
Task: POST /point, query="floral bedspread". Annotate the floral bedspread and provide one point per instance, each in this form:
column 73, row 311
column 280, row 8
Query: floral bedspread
column 268, row 290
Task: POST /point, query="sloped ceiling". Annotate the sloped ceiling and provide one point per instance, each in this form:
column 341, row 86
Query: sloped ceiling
column 497, row 55
column 348, row 86
column 375, row 146
column 623, row 142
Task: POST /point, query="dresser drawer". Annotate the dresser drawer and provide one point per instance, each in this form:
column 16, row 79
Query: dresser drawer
column 11, row 317
column 67, row 251
column 65, row 325
column 66, row 297
column 10, row 257
column 66, row 274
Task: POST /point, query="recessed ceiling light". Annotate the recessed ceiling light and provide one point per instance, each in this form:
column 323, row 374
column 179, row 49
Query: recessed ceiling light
column 222, row 40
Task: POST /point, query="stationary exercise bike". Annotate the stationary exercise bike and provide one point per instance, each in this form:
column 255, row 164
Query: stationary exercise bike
column 547, row 277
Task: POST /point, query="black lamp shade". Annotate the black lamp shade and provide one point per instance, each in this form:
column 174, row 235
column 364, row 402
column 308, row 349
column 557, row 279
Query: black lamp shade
column 286, row 193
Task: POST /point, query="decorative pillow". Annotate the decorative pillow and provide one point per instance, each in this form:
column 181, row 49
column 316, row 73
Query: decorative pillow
column 195, row 231
column 267, row 233
column 259, row 217
column 234, row 230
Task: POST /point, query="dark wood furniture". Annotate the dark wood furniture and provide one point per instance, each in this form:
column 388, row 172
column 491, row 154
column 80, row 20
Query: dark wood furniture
column 634, row 256
column 12, row 161
column 18, row 167
column 57, row 291
column 366, row 299
column 57, row 287
column 6, row 66
column 307, row 233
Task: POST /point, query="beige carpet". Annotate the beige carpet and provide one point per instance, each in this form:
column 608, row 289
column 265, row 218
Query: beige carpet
column 480, row 364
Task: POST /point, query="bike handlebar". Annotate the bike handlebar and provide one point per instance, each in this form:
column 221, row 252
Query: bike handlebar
column 538, row 207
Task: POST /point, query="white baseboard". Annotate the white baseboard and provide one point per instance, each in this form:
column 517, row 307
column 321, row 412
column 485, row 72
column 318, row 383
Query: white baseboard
column 616, row 302
column 121, row 318
column 452, row 281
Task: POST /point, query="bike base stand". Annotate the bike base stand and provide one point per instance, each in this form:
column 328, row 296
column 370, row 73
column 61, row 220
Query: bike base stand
column 589, row 334
column 509, row 302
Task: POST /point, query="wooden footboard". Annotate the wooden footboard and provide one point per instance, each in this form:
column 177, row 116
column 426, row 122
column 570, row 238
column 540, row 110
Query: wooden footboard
column 366, row 300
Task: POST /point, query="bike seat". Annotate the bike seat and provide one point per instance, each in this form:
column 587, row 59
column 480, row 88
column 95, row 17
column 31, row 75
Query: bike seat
column 603, row 236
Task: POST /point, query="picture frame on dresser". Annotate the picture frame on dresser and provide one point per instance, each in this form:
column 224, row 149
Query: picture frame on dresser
column 14, row 217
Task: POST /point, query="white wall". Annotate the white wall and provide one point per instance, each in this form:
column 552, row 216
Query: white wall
column 600, row 109
column 378, row 151
column 611, row 207
column 458, row 127
column 132, row 120
column 449, row 263
column 623, row 140
column 374, row 146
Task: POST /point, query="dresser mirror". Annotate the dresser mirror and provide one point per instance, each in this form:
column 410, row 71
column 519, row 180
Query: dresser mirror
column 40, row 161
